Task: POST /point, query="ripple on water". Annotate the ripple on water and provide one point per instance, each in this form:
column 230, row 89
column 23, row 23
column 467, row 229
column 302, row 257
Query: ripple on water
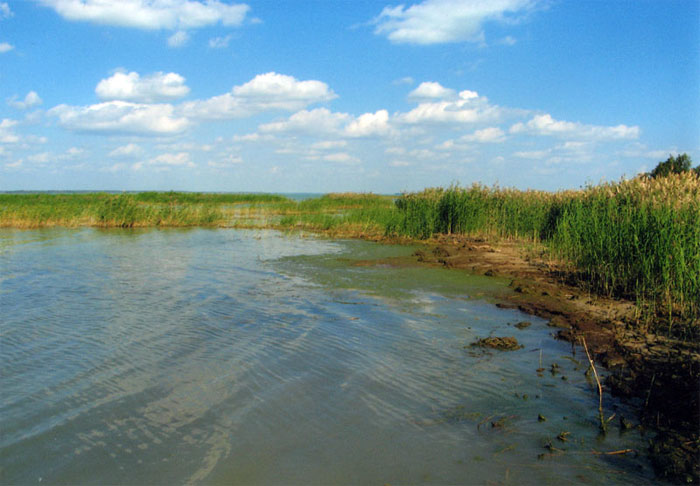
column 254, row 357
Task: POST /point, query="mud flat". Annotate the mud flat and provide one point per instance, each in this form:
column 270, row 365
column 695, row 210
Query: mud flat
column 659, row 375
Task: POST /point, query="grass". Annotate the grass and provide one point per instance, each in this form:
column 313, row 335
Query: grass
column 638, row 239
column 123, row 210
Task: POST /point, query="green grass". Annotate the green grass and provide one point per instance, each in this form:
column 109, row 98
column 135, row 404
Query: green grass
column 637, row 239
column 123, row 210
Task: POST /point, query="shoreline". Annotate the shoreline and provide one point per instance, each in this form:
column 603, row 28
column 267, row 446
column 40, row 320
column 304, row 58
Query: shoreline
column 660, row 375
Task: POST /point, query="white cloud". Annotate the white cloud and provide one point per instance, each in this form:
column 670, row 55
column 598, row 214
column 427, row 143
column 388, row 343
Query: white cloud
column 5, row 12
column 395, row 150
column 148, row 89
column 315, row 122
column 5, row 47
column 269, row 91
column 74, row 152
column 546, row 125
column 40, row 158
column 16, row 164
column 6, row 133
column 467, row 108
column 404, row 80
column 252, row 137
column 639, row 150
column 121, row 117
column 431, row 90
column 399, row 163
column 220, row 42
column 532, row 154
column 329, row 144
column 283, row 91
column 342, row 158
column 178, row 39
column 486, row 135
column 31, row 100
column 128, row 150
column 440, row 21
column 369, row 124
column 323, row 122
column 166, row 161
column 151, row 14
column 181, row 158
column 226, row 163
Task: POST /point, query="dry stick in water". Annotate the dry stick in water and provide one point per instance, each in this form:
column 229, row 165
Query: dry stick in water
column 600, row 388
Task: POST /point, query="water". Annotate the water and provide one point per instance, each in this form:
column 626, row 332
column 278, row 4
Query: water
column 251, row 357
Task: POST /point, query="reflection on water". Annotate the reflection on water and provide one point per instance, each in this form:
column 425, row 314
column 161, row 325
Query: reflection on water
column 251, row 357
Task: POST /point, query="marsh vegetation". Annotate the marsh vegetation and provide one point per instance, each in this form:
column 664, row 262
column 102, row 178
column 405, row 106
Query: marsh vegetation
column 637, row 239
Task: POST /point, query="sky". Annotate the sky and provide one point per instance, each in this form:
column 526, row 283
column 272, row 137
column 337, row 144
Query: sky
column 339, row 95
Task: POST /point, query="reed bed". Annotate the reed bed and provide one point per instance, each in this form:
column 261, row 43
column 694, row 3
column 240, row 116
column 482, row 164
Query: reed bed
column 122, row 210
column 638, row 239
column 347, row 214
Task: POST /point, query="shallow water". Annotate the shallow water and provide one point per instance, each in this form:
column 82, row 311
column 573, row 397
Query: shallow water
column 253, row 357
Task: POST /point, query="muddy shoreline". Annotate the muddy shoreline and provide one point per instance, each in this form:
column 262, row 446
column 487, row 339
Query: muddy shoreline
column 660, row 376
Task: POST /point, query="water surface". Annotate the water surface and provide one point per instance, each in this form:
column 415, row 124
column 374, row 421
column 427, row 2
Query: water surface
column 254, row 357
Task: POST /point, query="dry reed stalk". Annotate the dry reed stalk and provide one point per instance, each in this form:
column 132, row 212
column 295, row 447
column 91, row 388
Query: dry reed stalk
column 603, row 426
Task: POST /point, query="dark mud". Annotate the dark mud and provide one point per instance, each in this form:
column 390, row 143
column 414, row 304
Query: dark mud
column 501, row 343
column 658, row 374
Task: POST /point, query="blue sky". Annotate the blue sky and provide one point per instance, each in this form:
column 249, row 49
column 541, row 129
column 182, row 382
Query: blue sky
column 326, row 95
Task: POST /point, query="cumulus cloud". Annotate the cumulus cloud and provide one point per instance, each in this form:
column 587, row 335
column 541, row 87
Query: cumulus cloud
column 315, row 122
column 166, row 161
column 6, row 133
column 431, row 90
column 369, row 124
column 283, row 91
column 441, row 21
column 342, row 158
column 128, row 150
column 178, row 39
column 324, row 122
column 5, row 12
column 151, row 14
column 532, row 154
column 486, row 135
column 31, row 100
column 5, row 47
column 468, row 107
column 269, row 91
column 404, row 80
column 329, row 144
column 399, row 163
column 226, row 162
column 121, row 117
column 546, row 125
column 147, row 89
column 220, row 42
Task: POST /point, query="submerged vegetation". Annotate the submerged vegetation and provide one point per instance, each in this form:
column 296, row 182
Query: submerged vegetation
column 638, row 239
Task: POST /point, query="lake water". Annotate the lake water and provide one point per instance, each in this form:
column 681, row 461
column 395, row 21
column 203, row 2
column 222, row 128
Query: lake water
column 254, row 357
